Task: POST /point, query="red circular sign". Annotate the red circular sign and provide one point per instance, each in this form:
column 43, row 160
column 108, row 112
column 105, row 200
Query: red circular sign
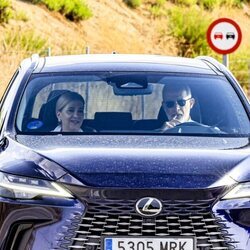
column 224, row 36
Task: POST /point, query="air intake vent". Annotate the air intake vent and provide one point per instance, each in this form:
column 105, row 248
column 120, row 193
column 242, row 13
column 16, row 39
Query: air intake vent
column 18, row 236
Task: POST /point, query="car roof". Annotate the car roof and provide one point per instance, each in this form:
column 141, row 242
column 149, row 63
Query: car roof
column 122, row 62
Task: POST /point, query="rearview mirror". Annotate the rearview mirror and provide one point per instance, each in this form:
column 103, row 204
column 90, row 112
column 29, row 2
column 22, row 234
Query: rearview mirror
column 132, row 88
column 130, row 84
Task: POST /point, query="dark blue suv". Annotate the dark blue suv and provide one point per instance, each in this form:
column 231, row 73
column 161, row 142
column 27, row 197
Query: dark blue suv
column 124, row 152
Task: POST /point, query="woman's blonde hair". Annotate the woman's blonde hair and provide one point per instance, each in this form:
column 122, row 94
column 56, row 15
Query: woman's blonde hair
column 66, row 98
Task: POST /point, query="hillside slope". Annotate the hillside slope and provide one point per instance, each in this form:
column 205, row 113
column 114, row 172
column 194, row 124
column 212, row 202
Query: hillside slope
column 113, row 27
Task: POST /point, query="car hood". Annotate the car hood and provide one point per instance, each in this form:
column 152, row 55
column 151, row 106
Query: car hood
column 146, row 161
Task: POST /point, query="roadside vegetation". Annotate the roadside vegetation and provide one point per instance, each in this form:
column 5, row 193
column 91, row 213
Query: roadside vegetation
column 26, row 41
column 211, row 4
column 74, row 10
column 20, row 16
column 238, row 65
column 5, row 11
column 188, row 27
column 183, row 22
column 187, row 23
column 133, row 3
column 240, row 68
column 157, row 8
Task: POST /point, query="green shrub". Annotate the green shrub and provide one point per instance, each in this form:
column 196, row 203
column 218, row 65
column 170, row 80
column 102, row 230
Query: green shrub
column 160, row 2
column 5, row 11
column 133, row 3
column 157, row 11
column 231, row 3
column 74, row 10
column 185, row 2
column 239, row 65
column 51, row 4
column 189, row 27
column 26, row 41
column 21, row 15
column 157, row 8
column 209, row 4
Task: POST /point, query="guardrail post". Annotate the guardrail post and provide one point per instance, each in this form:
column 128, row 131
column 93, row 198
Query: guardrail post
column 87, row 50
column 49, row 51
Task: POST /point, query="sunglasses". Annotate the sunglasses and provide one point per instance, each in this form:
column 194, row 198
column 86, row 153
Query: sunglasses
column 180, row 102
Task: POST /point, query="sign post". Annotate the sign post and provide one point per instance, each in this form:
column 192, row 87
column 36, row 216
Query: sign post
column 224, row 37
column 225, row 60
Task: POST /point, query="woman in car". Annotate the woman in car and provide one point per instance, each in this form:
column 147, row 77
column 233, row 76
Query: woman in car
column 69, row 112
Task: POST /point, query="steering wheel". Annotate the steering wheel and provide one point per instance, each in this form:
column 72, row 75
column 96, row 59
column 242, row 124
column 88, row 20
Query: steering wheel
column 192, row 128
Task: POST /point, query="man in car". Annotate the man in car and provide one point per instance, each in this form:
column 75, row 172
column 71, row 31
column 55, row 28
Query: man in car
column 177, row 104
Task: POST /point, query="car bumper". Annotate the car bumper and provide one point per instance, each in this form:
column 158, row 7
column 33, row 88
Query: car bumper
column 81, row 223
column 43, row 224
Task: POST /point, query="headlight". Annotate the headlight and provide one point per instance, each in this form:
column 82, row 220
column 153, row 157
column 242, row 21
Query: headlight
column 240, row 191
column 18, row 187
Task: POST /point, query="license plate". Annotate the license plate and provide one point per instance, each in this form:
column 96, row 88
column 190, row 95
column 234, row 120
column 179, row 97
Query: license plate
column 148, row 243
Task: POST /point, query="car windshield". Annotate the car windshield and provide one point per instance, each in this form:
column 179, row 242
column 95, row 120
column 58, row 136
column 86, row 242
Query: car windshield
column 131, row 103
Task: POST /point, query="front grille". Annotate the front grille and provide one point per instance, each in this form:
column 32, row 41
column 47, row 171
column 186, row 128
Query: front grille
column 178, row 218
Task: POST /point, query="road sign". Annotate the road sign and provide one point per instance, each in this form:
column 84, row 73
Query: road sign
column 224, row 36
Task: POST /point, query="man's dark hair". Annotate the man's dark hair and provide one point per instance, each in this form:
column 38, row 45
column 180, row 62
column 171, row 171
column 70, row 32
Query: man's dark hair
column 176, row 87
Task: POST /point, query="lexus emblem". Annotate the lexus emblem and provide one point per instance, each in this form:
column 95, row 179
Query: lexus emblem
column 148, row 206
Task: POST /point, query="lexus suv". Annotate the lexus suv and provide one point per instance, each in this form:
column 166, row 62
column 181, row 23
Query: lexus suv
column 124, row 152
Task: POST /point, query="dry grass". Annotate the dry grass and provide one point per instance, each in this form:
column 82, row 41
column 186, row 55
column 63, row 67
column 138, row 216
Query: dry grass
column 9, row 64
